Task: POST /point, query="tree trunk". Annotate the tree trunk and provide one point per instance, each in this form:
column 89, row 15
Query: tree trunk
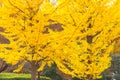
column 90, row 77
column 33, row 71
column 33, row 76
column 38, row 76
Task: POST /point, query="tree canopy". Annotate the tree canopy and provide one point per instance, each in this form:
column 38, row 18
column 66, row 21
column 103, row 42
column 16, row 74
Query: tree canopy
column 78, row 35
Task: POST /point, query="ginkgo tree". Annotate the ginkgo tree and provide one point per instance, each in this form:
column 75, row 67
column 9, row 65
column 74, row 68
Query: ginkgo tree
column 77, row 35
column 97, row 27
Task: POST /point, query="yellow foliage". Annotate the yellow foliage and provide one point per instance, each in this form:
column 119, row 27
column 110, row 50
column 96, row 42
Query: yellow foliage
column 19, row 68
column 76, row 34
column 116, row 49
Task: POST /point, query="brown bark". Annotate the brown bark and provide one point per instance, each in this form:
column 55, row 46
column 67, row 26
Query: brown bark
column 3, row 66
column 38, row 76
column 89, row 77
column 33, row 71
